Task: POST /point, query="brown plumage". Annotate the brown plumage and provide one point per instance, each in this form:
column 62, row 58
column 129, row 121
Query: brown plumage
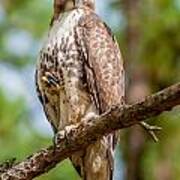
column 80, row 74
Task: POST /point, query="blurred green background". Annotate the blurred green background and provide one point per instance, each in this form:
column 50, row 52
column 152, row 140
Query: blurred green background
column 148, row 32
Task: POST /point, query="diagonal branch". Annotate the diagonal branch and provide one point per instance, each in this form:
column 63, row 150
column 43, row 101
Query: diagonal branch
column 86, row 133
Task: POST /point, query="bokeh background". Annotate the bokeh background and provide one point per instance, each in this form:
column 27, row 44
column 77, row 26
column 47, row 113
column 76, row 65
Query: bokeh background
column 148, row 32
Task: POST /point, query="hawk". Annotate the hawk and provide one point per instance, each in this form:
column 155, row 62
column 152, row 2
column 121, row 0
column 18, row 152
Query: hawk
column 80, row 74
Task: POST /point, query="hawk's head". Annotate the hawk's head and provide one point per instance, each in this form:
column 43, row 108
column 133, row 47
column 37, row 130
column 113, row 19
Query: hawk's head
column 70, row 4
column 61, row 6
column 89, row 3
column 64, row 5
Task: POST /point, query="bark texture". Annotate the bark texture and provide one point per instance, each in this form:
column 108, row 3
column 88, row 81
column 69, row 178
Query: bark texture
column 74, row 138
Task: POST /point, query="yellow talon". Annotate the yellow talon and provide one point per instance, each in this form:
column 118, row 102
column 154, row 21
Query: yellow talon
column 44, row 78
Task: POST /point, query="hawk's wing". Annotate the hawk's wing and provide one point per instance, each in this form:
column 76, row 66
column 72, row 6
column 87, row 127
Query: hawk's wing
column 103, row 62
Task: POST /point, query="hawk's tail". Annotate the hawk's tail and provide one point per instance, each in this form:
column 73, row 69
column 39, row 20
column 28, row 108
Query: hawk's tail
column 96, row 162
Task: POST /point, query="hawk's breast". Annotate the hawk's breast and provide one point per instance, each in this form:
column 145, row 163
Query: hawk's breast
column 60, row 63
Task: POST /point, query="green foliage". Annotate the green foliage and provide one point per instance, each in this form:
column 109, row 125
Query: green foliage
column 160, row 40
column 32, row 17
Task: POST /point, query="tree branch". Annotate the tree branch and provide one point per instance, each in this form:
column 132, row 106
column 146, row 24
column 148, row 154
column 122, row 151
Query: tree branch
column 76, row 138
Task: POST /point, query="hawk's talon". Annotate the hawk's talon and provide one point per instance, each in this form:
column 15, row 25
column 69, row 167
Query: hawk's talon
column 58, row 137
column 50, row 79
column 89, row 116
column 69, row 128
column 151, row 130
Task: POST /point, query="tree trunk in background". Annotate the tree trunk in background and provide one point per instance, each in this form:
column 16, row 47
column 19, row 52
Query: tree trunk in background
column 137, row 88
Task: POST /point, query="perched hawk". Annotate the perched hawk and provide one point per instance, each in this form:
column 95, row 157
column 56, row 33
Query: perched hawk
column 79, row 74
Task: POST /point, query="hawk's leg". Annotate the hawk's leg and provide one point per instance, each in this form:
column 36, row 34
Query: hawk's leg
column 151, row 130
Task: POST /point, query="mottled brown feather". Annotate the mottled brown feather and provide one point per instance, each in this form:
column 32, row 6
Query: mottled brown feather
column 104, row 64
